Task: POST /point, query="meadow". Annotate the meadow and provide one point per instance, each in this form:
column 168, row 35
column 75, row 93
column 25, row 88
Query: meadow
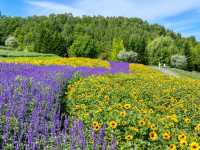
column 81, row 103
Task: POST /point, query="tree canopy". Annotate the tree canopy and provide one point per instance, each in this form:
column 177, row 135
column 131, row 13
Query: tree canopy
column 97, row 36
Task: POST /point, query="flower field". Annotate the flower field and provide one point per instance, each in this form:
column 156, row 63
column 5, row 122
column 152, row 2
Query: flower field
column 72, row 61
column 31, row 115
column 78, row 103
column 145, row 109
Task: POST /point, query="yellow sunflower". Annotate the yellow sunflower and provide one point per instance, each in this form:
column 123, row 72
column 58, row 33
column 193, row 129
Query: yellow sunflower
column 183, row 143
column 153, row 127
column 96, row 126
column 113, row 124
column 127, row 106
column 153, row 136
column 166, row 136
column 129, row 137
column 187, row 120
column 194, row 146
column 197, row 128
column 141, row 122
column 182, row 137
column 122, row 114
column 172, row 147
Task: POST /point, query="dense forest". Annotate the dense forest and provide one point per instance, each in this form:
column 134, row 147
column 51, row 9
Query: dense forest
column 112, row 38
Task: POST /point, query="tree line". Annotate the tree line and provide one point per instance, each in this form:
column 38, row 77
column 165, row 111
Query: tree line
column 112, row 38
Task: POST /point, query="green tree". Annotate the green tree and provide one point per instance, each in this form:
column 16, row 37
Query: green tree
column 161, row 49
column 117, row 46
column 195, row 57
column 83, row 46
column 137, row 43
column 11, row 42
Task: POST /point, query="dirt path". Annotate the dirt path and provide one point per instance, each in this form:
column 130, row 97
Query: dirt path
column 166, row 71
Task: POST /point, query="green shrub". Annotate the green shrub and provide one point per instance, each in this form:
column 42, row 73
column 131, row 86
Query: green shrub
column 179, row 61
column 128, row 56
column 11, row 42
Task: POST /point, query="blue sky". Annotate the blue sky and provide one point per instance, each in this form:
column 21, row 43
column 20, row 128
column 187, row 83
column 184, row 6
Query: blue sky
column 182, row 16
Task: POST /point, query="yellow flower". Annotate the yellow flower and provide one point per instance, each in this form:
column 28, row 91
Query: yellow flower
column 106, row 98
column 182, row 137
column 96, row 126
column 197, row 128
column 153, row 127
column 141, row 122
column 113, row 124
column 134, row 129
column 194, row 146
column 124, row 123
column 172, row 147
column 174, row 118
column 127, row 106
column 122, row 114
column 166, row 136
column 183, row 143
column 153, row 136
column 187, row 120
column 129, row 137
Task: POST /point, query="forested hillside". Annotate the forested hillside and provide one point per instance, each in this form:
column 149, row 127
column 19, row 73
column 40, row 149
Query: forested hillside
column 129, row 39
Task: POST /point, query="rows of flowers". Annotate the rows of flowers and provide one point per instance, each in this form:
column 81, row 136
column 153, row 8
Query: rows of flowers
column 72, row 61
column 31, row 114
column 143, row 110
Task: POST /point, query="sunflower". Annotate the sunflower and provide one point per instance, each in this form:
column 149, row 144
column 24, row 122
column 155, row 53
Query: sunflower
column 106, row 98
column 166, row 136
column 194, row 146
column 129, row 137
column 172, row 147
column 134, row 129
column 96, row 126
column 153, row 127
column 122, row 114
column 183, row 143
column 197, row 128
column 141, row 122
column 124, row 123
column 187, row 120
column 127, row 106
column 113, row 124
column 182, row 137
column 153, row 136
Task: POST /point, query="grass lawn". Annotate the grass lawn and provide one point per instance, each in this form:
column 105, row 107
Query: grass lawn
column 183, row 73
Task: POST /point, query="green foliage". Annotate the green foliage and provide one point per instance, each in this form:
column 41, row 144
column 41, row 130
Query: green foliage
column 8, row 53
column 137, row 43
column 195, row 57
column 130, row 56
column 117, row 46
column 179, row 61
column 161, row 49
column 83, row 46
column 11, row 42
column 58, row 34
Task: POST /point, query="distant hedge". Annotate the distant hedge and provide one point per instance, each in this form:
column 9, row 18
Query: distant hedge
column 10, row 53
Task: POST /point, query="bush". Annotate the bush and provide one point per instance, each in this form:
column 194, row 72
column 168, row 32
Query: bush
column 161, row 49
column 83, row 46
column 179, row 61
column 11, row 42
column 128, row 56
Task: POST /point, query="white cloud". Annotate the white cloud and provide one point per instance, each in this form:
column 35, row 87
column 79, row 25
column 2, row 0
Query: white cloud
column 46, row 7
column 145, row 9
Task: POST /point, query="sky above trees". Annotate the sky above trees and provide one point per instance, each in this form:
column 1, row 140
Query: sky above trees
column 178, row 15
